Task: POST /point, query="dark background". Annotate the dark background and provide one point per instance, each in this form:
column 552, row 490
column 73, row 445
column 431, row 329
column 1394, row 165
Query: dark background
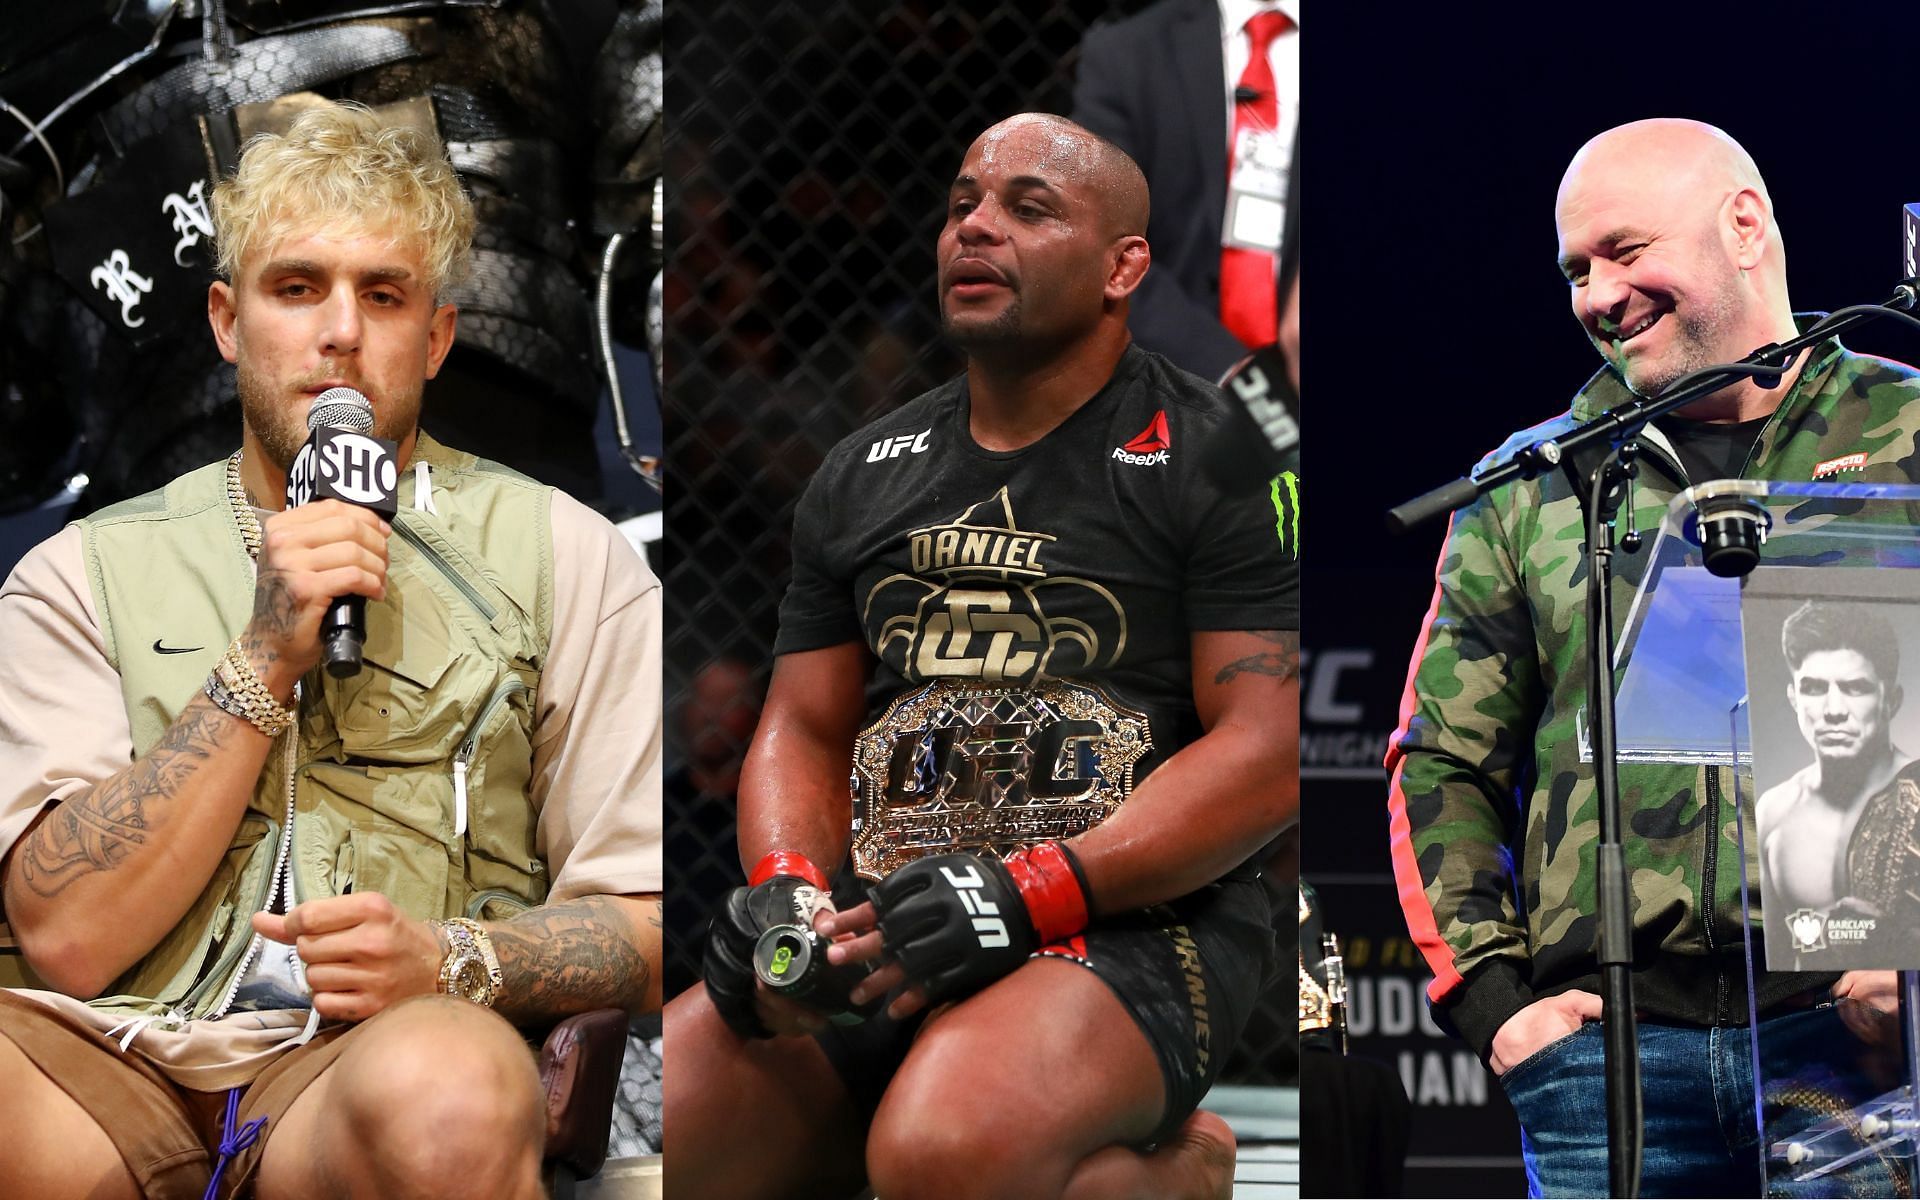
column 1440, row 325
column 109, row 412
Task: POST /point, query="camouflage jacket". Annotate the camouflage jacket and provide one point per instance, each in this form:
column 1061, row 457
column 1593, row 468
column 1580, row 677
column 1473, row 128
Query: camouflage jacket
column 1493, row 816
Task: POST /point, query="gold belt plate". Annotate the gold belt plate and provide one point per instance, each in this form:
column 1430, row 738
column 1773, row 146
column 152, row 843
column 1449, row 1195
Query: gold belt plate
column 964, row 766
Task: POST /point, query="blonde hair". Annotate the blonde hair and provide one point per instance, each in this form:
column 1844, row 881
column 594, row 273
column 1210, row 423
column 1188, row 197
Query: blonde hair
column 339, row 168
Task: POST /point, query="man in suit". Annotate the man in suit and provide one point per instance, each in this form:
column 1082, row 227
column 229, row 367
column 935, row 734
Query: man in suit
column 1157, row 85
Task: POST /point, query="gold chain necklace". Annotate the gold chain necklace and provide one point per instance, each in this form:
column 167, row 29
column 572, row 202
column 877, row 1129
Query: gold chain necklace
column 243, row 514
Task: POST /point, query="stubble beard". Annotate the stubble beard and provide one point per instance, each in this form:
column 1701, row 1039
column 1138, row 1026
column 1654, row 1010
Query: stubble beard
column 281, row 429
column 994, row 333
column 1695, row 343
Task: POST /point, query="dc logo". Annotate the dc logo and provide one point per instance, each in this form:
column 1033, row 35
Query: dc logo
column 358, row 467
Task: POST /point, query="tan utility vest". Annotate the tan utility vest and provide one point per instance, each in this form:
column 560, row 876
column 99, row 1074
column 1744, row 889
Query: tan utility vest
column 453, row 660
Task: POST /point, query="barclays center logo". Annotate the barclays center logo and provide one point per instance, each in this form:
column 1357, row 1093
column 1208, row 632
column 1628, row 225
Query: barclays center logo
column 1808, row 930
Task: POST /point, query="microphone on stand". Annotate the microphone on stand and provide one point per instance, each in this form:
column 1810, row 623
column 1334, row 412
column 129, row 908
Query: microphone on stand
column 343, row 461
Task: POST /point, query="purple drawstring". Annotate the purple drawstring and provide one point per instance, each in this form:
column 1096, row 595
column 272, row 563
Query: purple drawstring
column 232, row 1141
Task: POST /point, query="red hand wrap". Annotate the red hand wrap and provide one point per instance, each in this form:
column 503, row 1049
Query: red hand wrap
column 788, row 862
column 1055, row 901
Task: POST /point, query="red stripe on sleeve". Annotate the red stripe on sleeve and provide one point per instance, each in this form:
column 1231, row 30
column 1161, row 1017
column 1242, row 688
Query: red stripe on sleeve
column 1422, row 924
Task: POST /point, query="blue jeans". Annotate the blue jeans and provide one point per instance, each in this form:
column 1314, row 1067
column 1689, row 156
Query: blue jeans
column 1697, row 1097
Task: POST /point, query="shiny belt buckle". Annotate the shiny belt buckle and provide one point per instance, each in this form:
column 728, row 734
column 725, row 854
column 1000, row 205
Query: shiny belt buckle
column 982, row 768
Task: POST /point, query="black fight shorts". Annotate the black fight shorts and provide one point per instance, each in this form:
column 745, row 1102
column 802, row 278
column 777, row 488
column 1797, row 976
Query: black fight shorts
column 1189, row 972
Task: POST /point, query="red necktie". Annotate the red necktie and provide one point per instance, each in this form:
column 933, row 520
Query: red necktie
column 1249, row 296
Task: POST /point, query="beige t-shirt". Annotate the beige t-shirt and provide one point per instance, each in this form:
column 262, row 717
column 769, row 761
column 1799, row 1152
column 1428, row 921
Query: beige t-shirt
column 596, row 746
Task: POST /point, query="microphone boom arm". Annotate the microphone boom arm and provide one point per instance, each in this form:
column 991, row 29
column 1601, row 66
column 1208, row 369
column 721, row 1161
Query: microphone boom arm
column 1617, row 425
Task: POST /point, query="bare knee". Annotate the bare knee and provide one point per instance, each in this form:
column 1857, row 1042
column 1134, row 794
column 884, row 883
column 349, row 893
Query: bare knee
column 958, row 1143
column 765, row 1118
column 692, row 1110
column 448, row 1096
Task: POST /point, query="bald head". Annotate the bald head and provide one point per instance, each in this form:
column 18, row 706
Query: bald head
column 1688, row 168
column 1674, row 146
column 1667, row 237
column 1689, row 161
column 1076, row 155
column 1043, row 244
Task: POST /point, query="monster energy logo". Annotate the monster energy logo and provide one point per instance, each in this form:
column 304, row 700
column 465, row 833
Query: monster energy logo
column 1287, row 511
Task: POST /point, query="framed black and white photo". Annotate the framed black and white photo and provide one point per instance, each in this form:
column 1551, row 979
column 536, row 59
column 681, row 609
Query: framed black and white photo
column 1832, row 655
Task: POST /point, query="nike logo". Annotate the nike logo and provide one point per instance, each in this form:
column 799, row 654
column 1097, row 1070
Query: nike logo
column 159, row 649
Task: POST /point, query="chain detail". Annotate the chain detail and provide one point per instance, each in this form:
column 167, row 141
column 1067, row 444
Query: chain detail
column 243, row 514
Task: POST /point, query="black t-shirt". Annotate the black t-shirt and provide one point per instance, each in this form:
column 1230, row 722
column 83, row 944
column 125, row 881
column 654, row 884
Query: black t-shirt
column 1090, row 555
column 1709, row 449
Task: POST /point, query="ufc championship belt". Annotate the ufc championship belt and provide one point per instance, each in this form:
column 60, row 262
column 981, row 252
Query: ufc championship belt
column 961, row 765
column 1883, row 858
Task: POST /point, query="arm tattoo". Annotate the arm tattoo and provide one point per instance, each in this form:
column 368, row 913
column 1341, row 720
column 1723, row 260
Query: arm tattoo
column 568, row 958
column 275, row 612
column 95, row 830
column 1283, row 663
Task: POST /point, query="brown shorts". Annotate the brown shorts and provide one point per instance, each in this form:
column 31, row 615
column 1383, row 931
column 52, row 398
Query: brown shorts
column 162, row 1130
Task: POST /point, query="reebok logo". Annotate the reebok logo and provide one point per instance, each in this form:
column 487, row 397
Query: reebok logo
column 1150, row 447
column 910, row 443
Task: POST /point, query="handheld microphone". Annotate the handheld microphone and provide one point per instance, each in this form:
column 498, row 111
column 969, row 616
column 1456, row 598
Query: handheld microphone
column 342, row 461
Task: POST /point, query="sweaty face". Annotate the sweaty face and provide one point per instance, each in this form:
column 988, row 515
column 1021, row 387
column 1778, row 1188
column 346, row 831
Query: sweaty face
column 1023, row 256
column 317, row 311
column 1843, row 705
column 1652, row 284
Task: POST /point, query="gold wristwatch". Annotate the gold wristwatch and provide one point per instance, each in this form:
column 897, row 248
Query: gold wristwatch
column 469, row 971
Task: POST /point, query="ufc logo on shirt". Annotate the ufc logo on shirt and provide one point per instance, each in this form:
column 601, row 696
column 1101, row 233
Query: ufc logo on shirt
column 991, row 929
column 910, row 443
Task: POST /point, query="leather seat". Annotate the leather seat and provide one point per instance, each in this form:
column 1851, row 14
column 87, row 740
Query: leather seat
column 580, row 1070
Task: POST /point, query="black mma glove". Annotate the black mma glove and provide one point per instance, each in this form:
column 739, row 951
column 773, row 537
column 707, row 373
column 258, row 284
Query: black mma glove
column 957, row 922
column 784, row 889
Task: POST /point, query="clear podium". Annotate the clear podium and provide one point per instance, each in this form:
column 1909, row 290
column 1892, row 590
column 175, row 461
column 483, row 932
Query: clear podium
column 1740, row 574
